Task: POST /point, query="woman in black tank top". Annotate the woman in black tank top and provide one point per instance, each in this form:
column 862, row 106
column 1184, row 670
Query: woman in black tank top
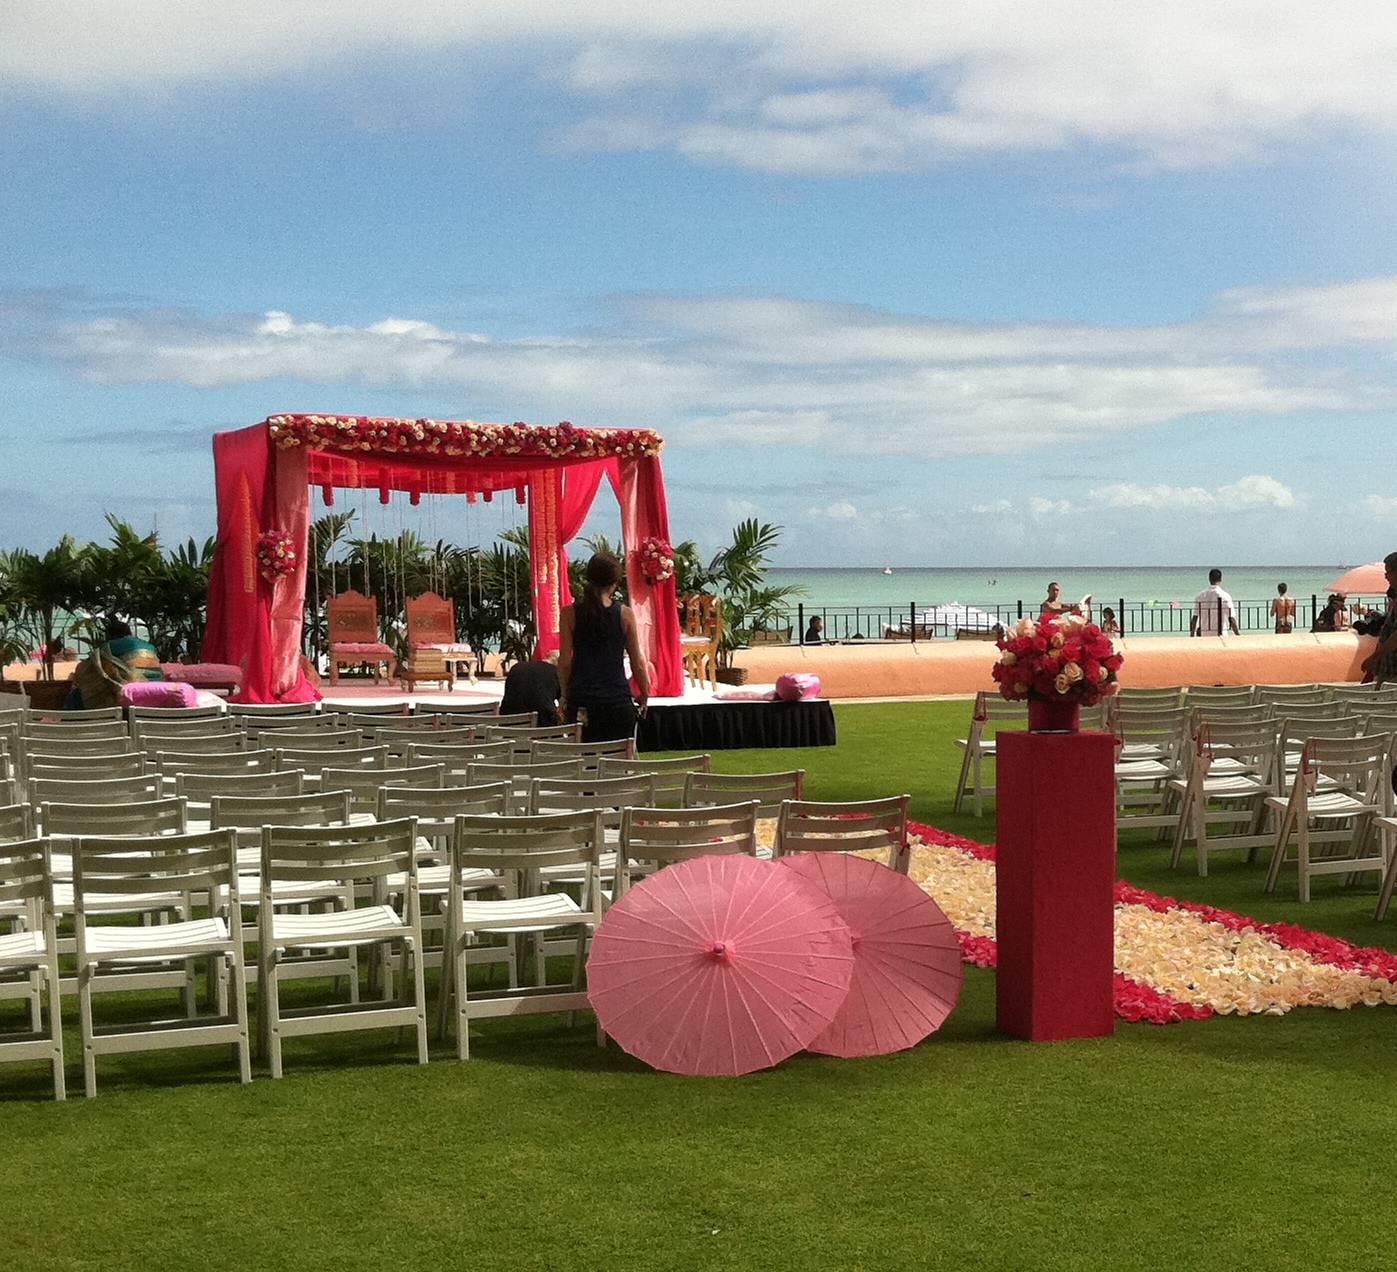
column 594, row 634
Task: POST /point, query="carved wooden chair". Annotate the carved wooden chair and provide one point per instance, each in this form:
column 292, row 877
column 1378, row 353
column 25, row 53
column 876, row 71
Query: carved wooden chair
column 352, row 619
column 701, row 623
column 431, row 629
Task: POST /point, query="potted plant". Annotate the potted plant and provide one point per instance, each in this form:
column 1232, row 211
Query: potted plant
column 737, row 574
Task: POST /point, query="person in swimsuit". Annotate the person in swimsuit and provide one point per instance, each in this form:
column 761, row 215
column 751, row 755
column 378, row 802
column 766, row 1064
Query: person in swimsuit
column 1283, row 611
column 594, row 637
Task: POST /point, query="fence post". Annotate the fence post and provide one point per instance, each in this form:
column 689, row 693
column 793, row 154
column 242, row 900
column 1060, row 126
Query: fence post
column 1120, row 614
column 912, row 620
column 800, row 622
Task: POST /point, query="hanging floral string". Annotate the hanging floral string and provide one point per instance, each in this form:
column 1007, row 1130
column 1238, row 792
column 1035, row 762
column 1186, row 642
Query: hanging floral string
column 656, row 561
column 276, row 558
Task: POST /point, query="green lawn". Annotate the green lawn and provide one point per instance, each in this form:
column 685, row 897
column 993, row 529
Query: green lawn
column 1218, row 1144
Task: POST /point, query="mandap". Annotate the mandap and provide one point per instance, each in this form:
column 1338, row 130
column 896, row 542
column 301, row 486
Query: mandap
column 264, row 475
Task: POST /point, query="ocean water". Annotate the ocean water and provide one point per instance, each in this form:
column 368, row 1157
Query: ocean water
column 1158, row 599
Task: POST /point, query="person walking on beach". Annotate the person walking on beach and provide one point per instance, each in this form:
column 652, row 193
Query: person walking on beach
column 593, row 634
column 1381, row 664
column 1213, row 607
column 1283, row 611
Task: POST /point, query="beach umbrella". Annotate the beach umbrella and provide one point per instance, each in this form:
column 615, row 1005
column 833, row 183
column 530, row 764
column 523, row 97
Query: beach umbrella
column 1362, row 580
column 907, row 960
column 719, row 965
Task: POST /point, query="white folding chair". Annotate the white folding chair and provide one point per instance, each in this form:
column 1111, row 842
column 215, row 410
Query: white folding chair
column 872, row 825
column 1231, row 773
column 355, row 857
column 1339, row 790
column 990, row 713
column 29, row 954
column 518, row 848
column 652, row 838
column 182, row 864
column 670, row 775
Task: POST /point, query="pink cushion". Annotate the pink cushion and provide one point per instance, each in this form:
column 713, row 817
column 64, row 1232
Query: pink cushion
column 157, row 693
column 797, row 686
column 368, row 649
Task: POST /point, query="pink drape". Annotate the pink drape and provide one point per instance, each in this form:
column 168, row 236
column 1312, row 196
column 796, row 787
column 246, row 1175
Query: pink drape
column 290, row 512
column 644, row 514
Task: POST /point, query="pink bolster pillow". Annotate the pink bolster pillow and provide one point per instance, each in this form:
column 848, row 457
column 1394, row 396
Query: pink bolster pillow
column 797, row 686
column 157, row 693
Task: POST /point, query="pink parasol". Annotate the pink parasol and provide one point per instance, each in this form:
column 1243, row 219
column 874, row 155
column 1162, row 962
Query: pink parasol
column 907, row 960
column 719, row 965
column 1362, row 580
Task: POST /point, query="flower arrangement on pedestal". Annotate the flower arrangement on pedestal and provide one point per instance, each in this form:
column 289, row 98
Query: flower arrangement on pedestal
column 1057, row 657
column 656, row 561
column 276, row 558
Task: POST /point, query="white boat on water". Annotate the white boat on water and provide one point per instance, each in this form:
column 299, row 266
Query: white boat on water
column 954, row 615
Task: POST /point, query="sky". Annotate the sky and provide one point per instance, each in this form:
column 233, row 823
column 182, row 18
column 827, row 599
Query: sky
column 998, row 282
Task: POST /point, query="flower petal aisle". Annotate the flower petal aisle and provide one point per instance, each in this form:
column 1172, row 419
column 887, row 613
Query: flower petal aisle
column 1175, row 960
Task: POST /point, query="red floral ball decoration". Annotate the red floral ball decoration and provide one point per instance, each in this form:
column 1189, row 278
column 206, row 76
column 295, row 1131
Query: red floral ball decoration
column 276, row 558
column 1058, row 656
column 656, row 561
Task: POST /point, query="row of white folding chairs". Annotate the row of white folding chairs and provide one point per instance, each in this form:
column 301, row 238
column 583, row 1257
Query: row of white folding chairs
column 1325, row 808
column 383, row 857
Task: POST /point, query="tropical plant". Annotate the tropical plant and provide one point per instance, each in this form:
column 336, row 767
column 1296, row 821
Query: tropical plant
column 166, row 594
column 738, row 574
column 50, row 595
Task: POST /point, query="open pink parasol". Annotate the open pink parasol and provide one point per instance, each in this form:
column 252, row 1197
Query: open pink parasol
column 1362, row 580
column 907, row 961
column 720, row 965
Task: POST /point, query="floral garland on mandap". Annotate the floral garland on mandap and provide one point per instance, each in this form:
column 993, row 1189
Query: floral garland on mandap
column 355, row 434
column 656, row 561
column 276, row 558
column 1057, row 656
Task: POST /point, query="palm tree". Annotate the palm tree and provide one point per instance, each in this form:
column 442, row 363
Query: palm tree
column 738, row 573
column 59, row 584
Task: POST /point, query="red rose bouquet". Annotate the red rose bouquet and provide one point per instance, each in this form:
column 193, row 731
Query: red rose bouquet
column 1057, row 656
column 276, row 558
column 656, row 561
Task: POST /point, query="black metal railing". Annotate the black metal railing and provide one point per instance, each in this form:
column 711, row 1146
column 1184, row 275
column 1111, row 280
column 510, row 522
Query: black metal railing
column 925, row 621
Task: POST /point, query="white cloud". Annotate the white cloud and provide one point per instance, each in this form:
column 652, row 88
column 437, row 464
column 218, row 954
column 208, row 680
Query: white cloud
column 769, row 85
column 738, row 373
column 1383, row 506
column 1041, row 507
column 1249, row 492
column 843, row 510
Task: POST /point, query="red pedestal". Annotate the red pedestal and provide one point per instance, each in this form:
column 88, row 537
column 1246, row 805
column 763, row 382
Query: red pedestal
column 1056, row 869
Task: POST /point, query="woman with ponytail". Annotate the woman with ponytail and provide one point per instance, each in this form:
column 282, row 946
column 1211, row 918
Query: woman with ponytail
column 593, row 635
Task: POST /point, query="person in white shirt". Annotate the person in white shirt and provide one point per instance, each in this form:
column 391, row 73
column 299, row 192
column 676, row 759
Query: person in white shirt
column 1211, row 608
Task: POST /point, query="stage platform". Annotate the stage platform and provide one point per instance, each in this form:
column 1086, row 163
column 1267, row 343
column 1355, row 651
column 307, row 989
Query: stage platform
column 697, row 722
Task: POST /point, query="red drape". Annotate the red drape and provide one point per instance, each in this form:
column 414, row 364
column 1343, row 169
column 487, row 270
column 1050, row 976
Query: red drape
column 239, row 612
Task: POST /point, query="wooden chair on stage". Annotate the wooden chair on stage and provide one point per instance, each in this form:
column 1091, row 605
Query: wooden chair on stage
column 701, row 622
column 352, row 620
column 433, row 650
